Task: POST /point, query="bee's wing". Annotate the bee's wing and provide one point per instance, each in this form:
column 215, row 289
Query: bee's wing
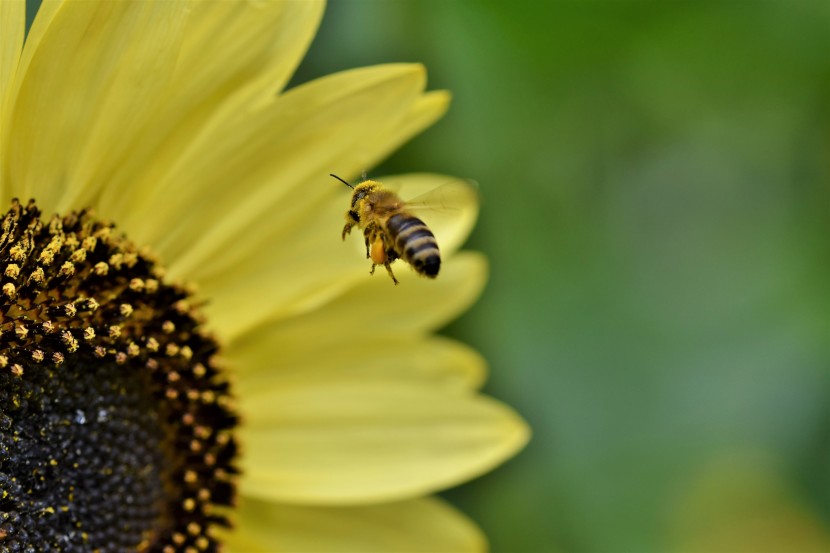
column 448, row 205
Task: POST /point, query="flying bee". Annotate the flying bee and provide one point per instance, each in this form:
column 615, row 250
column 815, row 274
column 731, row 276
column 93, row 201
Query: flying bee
column 390, row 231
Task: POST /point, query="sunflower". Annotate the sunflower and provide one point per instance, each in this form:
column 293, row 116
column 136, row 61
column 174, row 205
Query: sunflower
column 189, row 355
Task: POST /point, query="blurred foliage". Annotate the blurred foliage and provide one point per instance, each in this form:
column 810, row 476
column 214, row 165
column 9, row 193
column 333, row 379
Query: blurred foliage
column 656, row 211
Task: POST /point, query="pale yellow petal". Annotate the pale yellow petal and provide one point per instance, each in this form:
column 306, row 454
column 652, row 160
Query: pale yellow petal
column 320, row 214
column 362, row 303
column 15, row 63
column 12, row 28
column 223, row 264
column 251, row 47
column 270, row 167
column 96, row 73
column 312, row 264
column 43, row 21
column 235, row 57
column 375, row 146
column 356, row 443
column 436, row 361
column 295, row 255
column 425, row 525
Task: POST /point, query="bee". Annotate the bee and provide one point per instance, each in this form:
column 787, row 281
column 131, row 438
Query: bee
column 391, row 232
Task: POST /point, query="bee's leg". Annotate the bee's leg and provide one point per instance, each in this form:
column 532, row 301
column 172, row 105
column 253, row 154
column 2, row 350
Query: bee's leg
column 369, row 236
column 352, row 219
column 378, row 253
column 388, row 266
column 369, row 242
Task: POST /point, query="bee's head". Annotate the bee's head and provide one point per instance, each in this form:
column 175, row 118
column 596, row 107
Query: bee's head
column 362, row 190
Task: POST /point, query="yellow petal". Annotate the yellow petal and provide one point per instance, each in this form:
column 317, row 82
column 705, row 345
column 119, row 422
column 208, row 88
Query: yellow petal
column 348, row 442
column 270, row 167
column 221, row 266
column 369, row 304
column 249, row 47
column 12, row 27
column 40, row 27
column 97, row 72
column 436, row 361
column 235, row 56
column 375, row 146
column 311, row 263
column 14, row 64
column 425, row 525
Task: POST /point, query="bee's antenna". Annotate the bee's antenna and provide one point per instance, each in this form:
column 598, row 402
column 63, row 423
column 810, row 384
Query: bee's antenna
column 341, row 180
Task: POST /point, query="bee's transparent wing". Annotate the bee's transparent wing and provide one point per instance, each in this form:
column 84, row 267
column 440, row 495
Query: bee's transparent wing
column 448, row 205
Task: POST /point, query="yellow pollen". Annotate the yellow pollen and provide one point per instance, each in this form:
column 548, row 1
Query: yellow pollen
column 194, row 529
column 78, row 256
column 89, row 243
column 152, row 344
column 9, row 290
column 17, row 253
column 67, row 269
column 37, row 276
column 133, row 350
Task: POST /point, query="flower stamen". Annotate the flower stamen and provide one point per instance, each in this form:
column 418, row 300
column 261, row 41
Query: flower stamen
column 116, row 426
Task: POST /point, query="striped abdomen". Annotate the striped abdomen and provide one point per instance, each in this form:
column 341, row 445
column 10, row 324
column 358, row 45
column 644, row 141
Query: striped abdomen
column 414, row 243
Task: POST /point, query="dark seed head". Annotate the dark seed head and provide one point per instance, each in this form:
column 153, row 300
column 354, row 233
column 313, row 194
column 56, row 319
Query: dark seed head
column 115, row 423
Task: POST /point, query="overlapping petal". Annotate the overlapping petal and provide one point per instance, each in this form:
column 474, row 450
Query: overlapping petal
column 349, row 442
column 83, row 92
column 440, row 362
column 312, row 195
column 322, row 266
column 12, row 27
column 277, row 160
column 414, row 526
column 261, row 44
column 368, row 306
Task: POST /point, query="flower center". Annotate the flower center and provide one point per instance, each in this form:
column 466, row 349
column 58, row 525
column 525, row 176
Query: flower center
column 115, row 423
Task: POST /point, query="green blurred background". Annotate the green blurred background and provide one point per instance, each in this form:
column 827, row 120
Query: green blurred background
column 656, row 211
